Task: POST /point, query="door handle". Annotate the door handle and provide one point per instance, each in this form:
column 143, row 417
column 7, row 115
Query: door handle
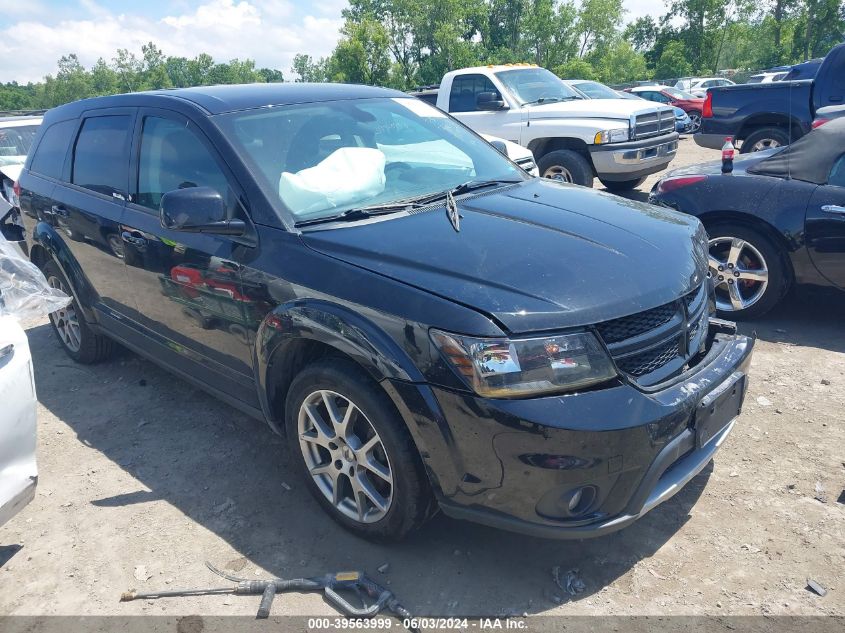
column 833, row 208
column 58, row 209
column 127, row 237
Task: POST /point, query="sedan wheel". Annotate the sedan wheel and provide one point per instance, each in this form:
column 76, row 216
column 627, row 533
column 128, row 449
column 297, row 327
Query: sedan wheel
column 66, row 320
column 695, row 122
column 764, row 144
column 740, row 272
column 345, row 456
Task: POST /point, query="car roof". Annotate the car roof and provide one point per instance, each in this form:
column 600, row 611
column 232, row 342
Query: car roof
column 649, row 87
column 234, row 97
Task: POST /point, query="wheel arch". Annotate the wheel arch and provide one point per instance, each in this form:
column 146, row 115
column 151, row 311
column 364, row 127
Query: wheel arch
column 788, row 124
column 758, row 224
column 542, row 146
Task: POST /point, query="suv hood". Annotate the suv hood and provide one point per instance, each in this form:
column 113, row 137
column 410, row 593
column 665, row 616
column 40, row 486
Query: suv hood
column 536, row 256
column 622, row 109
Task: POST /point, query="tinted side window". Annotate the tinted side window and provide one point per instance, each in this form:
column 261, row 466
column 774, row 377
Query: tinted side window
column 173, row 157
column 100, row 158
column 465, row 90
column 837, row 174
column 49, row 157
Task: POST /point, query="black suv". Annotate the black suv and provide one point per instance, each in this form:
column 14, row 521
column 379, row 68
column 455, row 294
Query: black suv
column 428, row 325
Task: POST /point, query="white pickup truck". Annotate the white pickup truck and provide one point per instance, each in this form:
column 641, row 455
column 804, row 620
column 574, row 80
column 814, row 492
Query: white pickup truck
column 573, row 139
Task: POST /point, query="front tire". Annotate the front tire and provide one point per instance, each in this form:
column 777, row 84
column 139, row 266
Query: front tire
column 77, row 338
column 766, row 138
column 566, row 165
column 355, row 453
column 622, row 185
column 748, row 270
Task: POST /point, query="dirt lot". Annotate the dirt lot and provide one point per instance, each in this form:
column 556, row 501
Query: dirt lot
column 143, row 478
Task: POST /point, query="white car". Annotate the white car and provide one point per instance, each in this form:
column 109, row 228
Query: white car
column 767, row 77
column 522, row 156
column 16, row 136
column 698, row 86
column 18, row 471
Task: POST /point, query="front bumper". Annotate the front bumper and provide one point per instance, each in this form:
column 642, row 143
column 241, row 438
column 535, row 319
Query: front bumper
column 635, row 159
column 513, row 461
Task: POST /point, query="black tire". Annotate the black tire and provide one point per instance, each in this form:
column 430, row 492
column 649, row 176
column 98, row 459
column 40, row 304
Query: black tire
column 767, row 137
column 779, row 278
column 566, row 165
column 622, row 185
column 412, row 500
column 92, row 347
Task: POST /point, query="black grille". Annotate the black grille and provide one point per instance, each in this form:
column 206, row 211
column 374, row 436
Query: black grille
column 649, row 361
column 653, row 123
column 636, row 324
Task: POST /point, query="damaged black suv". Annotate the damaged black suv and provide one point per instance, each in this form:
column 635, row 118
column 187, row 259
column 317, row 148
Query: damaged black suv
column 428, row 325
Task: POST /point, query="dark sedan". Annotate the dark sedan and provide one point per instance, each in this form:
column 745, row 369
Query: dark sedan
column 777, row 220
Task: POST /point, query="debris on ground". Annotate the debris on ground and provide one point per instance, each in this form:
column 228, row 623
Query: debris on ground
column 286, row 486
column 382, row 569
column 570, row 581
column 821, row 495
column 763, row 401
column 816, row 588
column 655, row 574
column 825, row 382
column 141, row 574
column 841, row 498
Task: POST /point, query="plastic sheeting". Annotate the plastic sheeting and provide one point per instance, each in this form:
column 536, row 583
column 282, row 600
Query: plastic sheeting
column 24, row 292
column 347, row 176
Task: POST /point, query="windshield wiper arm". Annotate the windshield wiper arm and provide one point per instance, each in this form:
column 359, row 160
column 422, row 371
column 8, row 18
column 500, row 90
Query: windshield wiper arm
column 359, row 213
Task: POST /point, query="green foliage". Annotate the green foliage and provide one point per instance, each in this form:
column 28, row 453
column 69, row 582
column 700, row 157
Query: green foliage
column 576, row 69
column 620, row 63
column 673, row 62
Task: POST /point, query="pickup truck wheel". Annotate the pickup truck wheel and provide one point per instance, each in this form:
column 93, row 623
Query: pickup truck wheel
column 566, row 165
column 356, row 455
column 748, row 271
column 78, row 340
column 622, row 185
column 767, row 138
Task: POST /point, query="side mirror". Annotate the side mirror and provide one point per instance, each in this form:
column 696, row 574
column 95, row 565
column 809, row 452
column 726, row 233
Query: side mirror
column 197, row 210
column 489, row 101
column 500, row 145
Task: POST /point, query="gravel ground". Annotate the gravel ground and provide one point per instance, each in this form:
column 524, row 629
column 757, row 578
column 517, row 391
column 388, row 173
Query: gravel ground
column 143, row 478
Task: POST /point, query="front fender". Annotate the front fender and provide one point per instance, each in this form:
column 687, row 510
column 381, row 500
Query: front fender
column 46, row 237
column 332, row 325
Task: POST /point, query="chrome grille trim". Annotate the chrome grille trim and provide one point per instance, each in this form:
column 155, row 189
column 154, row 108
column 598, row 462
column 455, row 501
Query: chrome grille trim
column 654, row 123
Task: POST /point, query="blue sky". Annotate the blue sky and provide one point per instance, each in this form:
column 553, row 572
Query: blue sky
column 35, row 33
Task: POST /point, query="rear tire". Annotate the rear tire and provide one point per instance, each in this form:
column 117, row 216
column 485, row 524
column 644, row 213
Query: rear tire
column 695, row 121
column 763, row 139
column 566, row 165
column 756, row 253
column 76, row 337
column 622, row 185
column 350, row 477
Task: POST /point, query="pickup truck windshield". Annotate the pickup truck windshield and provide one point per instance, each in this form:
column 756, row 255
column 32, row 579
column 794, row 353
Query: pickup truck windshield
column 536, row 85
column 318, row 160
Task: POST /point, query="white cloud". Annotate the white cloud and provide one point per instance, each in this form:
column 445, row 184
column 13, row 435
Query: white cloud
column 269, row 31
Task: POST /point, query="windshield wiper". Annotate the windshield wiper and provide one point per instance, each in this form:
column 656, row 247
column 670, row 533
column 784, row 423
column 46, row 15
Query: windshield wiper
column 465, row 187
column 542, row 100
column 360, row 213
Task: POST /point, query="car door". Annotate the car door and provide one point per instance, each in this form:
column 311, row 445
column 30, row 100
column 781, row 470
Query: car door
column 18, row 470
column 463, row 105
column 88, row 206
column 825, row 226
column 189, row 299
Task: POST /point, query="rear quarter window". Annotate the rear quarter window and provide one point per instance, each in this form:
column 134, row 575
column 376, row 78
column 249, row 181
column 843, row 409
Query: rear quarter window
column 49, row 157
column 101, row 157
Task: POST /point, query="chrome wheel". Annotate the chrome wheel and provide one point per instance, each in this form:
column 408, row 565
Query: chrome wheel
column 739, row 271
column 765, row 143
column 558, row 172
column 345, row 456
column 116, row 245
column 66, row 321
column 695, row 122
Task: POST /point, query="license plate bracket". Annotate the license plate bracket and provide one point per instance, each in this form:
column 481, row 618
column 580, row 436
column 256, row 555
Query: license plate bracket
column 719, row 407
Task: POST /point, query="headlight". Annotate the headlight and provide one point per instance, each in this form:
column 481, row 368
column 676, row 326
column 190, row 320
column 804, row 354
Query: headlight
column 611, row 136
column 508, row 368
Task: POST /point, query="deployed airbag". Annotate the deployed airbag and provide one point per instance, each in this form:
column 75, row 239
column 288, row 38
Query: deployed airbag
column 348, row 175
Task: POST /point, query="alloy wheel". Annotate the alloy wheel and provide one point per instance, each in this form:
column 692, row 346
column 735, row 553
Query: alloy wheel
column 739, row 271
column 345, row 456
column 695, row 122
column 560, row 173
column 66, row 321
column 765, row 143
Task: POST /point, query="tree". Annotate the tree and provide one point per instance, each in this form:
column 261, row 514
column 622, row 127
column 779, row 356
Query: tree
column 128, row 68
column 673, row 62
column 103, row 79
column 307, row 69
column 362, row 55
column 621, row 64
column 598, row 21
column 576, row 69
column 641, row 33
